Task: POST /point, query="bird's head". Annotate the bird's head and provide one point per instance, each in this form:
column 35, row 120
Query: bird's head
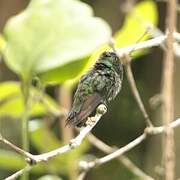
column 111, row 60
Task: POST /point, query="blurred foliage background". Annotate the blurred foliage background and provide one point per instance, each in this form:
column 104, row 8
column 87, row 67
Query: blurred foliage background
column 44, row 51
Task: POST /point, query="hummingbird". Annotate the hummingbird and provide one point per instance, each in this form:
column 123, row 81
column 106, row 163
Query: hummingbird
column 99, row 85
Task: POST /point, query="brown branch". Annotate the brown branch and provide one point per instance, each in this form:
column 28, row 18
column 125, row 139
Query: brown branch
column 157, row 41
column 65, row 100
column 82, row 175
column 64, row 96
column 19, row 173
column 33, row 159
column 123, row 159
column 167, row 95
column 148, row 131
column 135, row 92
column 15, row 148
column 74, row 143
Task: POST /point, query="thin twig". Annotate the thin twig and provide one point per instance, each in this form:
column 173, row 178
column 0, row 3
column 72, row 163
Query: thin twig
column 82, row 175
column 34, row 159
column 39, row 97
column 19, row 173
column 123, row 159
column 64, row 96
column 154, row 31
column 131, row 145
column 15, row 148
column 157, row 41
column 136, row 94
column 65, row 101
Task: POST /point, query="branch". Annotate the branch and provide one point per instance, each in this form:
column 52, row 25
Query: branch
column 82, row 175
column 15, row 148
column 65, row 101
column 167, row 95
column 135, row 92
column 156, row 32
column 157, row 41
column 19, row 173
column 39, row 97
column 123, row 159
column 34, row 159
column 148, row 131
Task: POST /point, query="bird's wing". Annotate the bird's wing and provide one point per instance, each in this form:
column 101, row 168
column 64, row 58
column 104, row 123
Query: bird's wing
column 87, row 107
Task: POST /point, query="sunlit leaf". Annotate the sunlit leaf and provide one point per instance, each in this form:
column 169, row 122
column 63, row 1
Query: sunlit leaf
column 143, row 14
column 48, row 35
column 41, row 136
column 11, row 101
column 11, row 160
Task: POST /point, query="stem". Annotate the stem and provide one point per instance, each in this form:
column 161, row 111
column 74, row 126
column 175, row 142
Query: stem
column 123, row 159
column 167, row 95
column 136, row 94
column 25, row 117
column 65, row 101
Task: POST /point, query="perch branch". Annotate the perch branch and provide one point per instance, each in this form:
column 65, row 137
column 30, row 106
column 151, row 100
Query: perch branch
column 34, row 159
column 82, row 175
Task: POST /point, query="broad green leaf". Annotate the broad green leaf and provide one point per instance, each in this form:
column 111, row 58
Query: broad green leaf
column 11, row 101
column 10, row 160
column 66, row 72
column 41, row 136
column 49, row 34
column 143, row 14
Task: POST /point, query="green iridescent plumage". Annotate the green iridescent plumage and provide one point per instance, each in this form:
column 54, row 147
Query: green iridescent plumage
column 100, row 85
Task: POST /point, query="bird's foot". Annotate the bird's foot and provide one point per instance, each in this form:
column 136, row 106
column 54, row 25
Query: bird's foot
column 90, row 121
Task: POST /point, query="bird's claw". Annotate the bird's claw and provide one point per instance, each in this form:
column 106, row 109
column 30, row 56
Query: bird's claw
column 91, row 121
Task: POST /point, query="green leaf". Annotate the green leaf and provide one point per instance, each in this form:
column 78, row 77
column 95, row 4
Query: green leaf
column 133, row 28
column 144, row 14
column 66, row 72
column 48, row 35
column 11, row 160
column 11, row 101
column 41, row 136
